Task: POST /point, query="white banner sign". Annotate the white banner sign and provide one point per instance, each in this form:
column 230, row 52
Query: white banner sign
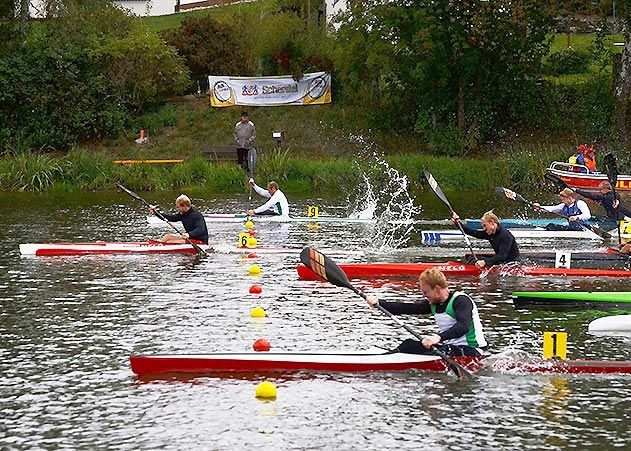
column 312, row 89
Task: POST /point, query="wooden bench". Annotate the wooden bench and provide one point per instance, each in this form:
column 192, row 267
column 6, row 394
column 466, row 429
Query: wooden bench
column 220, row 153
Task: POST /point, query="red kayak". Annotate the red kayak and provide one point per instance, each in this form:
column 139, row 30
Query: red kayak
column 375, row 359
column 359, row 270
column 139, row 247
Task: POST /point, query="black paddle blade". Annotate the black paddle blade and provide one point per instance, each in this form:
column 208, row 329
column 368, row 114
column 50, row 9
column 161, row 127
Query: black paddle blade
column 324, row 267
column 612, row 169
column 131, row 193
column 556, row 180
column 434, row 185
column 251, row 161
column 460, row 371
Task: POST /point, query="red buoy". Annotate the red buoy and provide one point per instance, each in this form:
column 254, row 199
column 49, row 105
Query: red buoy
column 252, row 255
column 256, row 289
column 262, row 345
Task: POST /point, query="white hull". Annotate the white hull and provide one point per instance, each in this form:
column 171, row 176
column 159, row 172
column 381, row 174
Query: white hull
column 435, row 236
column 616, row 323
column 231, row 218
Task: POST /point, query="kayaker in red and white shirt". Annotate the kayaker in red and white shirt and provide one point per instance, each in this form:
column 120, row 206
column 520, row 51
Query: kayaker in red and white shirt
column 459, row 327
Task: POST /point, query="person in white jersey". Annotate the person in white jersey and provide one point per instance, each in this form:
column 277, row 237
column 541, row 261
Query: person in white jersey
column 455, row 313
column 277, row 203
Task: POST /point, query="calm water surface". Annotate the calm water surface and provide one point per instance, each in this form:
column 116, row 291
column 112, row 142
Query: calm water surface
column 69, row 324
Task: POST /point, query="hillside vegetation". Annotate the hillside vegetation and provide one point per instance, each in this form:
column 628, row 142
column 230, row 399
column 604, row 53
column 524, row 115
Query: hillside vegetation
column 441, row 80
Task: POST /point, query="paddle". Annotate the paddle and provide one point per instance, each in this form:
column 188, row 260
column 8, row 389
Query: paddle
column 328, row 269
column 198, row 250
column 251, row 164
column 556, row 180
column 512, row 195
column 439, row 192
column 612, row 176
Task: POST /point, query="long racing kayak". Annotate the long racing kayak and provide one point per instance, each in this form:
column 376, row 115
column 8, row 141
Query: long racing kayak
column 436, row 236
column 358, row 361
column 240, row 218
column 359, row 270
column 572, row 299
column 362, row 270
column 602, row 259
column 132, row 247
column 149, row 247
column 517, row 223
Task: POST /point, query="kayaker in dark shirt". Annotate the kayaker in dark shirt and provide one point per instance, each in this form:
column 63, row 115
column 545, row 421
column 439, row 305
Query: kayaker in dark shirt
column 609, row 200
column 459, row 326
column 192, row 220
column 502, row 241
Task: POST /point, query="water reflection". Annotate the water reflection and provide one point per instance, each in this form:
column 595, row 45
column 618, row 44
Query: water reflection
column 68, row 326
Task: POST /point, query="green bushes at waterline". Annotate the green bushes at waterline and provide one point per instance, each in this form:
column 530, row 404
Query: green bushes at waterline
column 82, row 170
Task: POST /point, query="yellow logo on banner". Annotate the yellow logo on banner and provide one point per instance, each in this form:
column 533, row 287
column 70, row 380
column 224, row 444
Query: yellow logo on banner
column 312, row 211
column 555, row 344
column 243, row 239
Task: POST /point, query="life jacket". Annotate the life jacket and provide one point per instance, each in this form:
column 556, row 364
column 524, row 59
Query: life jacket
column 573, row 210
column 474, row 336
column 589, row 162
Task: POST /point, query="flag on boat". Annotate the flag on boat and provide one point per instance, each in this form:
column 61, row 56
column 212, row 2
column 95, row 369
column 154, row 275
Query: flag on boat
column 311, row 89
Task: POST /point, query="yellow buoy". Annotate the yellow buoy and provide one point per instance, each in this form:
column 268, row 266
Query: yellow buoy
column 258, row 312
column 266, row 390
column 249, row 225
column 254, row 270
column 251, row 242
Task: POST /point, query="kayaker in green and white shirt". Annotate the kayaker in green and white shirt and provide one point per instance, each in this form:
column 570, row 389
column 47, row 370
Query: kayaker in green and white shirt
column 459, row 327
column 277, row 203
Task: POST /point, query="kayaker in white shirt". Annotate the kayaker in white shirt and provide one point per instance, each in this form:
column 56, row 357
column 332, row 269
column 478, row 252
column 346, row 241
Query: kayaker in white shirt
column 576, row 211
column 277, row 203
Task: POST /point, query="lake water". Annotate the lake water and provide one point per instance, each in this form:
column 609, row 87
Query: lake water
column 69, row 324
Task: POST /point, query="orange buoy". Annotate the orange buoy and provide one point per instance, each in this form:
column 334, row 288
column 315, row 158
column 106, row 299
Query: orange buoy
column 262, row 345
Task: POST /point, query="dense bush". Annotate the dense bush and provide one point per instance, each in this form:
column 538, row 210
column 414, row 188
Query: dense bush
column 82, row 75
column 568, row 61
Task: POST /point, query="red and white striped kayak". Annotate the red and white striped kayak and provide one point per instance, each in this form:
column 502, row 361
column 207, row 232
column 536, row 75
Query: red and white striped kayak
column 375, row 359
column 360, row 270
column 137, row 247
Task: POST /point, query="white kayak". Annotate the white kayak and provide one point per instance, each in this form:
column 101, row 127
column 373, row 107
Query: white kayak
column 435, row 236
column 240, row 218
column 616, row 323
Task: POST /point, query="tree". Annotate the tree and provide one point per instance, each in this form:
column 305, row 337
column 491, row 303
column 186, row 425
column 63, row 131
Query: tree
column 444, row 63
column 622, row 85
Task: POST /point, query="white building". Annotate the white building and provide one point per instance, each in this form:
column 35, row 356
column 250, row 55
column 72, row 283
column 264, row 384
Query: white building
column 164, row 7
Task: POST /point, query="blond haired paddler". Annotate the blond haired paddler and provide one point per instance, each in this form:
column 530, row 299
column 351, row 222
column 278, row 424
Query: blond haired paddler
column 455, row 313
column 502, row 241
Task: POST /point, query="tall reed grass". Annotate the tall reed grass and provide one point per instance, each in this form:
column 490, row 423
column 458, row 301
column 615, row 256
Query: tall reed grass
column 520, row 167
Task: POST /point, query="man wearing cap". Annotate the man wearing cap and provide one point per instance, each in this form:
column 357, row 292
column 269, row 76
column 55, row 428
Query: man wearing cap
column 576, row 211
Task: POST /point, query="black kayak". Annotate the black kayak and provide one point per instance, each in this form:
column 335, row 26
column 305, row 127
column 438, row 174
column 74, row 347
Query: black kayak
column 607, row 259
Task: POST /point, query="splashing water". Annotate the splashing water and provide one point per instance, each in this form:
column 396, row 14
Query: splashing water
column 383, row 194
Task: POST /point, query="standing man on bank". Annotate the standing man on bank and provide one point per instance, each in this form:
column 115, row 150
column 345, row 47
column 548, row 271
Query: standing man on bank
column 244, row 134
